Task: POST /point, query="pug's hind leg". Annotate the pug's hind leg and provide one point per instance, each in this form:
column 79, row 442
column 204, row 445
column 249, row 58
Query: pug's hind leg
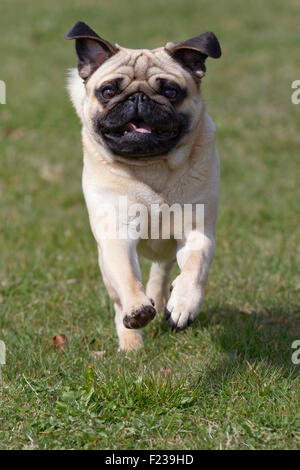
column 157, row 285
column 129, row 339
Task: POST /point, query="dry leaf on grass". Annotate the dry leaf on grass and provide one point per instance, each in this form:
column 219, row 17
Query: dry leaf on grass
column 58, row 341
column 13, row 132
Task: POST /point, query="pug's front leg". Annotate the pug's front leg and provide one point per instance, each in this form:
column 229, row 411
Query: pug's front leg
column 120, row 268
column 194, row 257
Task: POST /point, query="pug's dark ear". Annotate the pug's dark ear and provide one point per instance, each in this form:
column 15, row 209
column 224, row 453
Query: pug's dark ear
column 191, row 54
column 91, row 50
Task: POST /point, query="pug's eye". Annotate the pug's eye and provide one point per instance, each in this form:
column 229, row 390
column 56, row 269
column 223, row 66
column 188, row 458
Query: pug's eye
column 108, row 93
column 170, row 93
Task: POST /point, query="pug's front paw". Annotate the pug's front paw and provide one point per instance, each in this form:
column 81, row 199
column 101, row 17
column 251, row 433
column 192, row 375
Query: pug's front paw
column 139, row 316
column 184, row 304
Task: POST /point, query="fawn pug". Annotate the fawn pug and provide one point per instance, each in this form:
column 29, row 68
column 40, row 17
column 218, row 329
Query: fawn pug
column 147, row 137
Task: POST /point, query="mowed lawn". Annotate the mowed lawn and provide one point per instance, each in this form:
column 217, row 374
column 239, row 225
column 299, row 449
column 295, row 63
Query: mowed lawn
column 228, row 382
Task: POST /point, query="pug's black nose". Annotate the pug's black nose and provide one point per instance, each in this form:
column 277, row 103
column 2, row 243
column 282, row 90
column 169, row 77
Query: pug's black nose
column 138, row 98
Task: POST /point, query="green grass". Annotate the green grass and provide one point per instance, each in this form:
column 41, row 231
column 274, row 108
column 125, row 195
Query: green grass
column 228, row 382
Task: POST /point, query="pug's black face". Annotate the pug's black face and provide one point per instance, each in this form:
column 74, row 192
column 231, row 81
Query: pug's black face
column 139, row 126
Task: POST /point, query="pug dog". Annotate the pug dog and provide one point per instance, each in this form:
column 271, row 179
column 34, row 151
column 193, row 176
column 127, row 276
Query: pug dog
column 147, row 139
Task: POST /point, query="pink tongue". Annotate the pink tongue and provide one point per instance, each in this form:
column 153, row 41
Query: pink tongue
column 141, row 127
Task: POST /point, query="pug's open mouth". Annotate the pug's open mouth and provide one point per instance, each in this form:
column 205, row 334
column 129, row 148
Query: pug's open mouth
column 141, row 127
column 138, row 138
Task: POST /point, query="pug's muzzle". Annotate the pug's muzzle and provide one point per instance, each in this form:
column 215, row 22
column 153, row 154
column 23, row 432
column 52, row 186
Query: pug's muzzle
column 140, row 127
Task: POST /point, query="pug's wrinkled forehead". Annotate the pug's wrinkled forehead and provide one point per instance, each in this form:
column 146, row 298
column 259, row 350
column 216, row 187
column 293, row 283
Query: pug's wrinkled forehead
column 141, row 66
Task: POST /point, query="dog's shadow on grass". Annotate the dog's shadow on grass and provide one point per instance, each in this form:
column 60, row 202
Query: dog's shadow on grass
column 249, row 336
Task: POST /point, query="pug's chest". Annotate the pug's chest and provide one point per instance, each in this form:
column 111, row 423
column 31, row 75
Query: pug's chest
column 183, row 188
column 186, row 190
